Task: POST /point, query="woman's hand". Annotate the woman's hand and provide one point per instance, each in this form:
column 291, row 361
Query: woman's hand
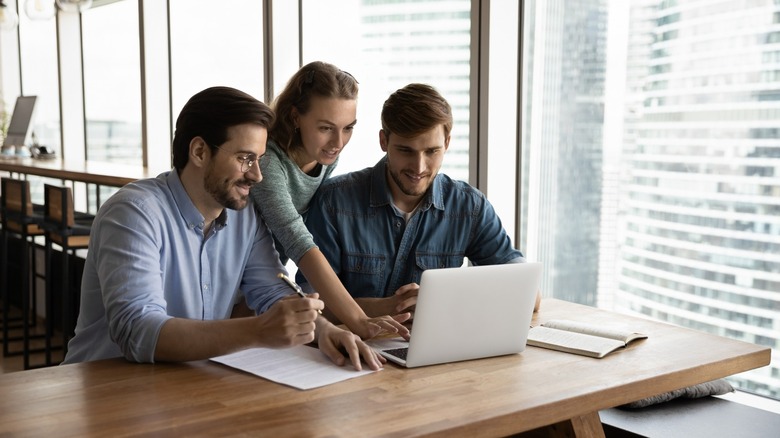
column 335, row 343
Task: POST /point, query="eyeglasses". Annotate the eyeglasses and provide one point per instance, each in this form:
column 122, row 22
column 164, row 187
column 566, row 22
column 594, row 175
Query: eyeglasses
column 247, row 161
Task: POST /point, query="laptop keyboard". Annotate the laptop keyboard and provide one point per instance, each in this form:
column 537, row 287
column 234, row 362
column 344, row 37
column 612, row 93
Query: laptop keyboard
column 398, row 352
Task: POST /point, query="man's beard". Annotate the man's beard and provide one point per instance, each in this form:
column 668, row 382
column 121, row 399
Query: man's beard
column 220, row 190
column 400, row 183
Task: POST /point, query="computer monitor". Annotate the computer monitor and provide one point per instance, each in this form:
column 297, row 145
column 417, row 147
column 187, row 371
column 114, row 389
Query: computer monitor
column 20, row 121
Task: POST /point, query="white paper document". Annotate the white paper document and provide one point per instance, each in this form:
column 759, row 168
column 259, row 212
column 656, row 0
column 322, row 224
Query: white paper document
column 301, row 367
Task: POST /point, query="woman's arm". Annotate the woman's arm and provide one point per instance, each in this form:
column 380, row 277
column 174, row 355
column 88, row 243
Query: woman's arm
column 340, row 303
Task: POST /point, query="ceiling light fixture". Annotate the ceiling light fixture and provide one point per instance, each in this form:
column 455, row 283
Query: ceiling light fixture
column 74, row 5
column 40, row 9
column 8, row 17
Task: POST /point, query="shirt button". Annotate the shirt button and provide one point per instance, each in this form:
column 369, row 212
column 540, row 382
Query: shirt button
column 205, row 287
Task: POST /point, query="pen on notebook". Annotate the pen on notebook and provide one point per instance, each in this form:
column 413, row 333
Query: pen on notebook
column 294, row 286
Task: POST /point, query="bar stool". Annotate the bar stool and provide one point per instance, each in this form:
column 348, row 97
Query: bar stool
column 22, row 220
column 70, row 231
column 3, row 320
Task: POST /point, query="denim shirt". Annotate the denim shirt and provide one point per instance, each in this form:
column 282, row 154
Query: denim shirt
column 374, row 251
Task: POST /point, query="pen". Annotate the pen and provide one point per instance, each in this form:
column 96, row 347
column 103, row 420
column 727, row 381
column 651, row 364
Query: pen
column 295, row 287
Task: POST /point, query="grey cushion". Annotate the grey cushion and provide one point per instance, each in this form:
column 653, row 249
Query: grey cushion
column 714, row 387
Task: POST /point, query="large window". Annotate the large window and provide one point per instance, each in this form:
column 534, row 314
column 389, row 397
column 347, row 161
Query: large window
column 215, row 44
column 387, row 46
column 112, row 82
column 38, row 39
column 651, row 162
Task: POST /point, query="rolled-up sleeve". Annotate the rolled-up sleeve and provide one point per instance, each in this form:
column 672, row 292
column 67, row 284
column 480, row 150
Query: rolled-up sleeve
column 261, row 284
column 129, row 268
column 148, row 262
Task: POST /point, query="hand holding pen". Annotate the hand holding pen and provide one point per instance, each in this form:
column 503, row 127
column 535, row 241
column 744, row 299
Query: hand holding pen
column 294, row 286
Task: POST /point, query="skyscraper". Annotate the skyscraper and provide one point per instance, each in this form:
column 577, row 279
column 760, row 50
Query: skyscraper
column 423, row 41
column 701, row 199
column 565, row 64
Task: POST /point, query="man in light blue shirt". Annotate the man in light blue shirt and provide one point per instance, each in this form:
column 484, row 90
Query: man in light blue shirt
column 171, row 258
column 381, row 227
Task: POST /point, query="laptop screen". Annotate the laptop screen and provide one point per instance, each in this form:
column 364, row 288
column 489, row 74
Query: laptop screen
column 21, row 119
column 470, row 313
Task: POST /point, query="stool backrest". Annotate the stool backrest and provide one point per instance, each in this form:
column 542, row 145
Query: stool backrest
column 16, row 196
column 58, row 202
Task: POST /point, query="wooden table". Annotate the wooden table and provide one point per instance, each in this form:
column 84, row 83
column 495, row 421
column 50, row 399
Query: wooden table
column 91, row 172
column 489, row 397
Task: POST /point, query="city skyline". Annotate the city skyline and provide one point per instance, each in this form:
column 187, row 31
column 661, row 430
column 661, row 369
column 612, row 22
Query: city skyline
column 671, row 188
column 699, row 192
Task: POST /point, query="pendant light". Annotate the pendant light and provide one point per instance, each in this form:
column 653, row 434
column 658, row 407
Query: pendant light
column 40, row 9
column 8, row 17
column 74, row 5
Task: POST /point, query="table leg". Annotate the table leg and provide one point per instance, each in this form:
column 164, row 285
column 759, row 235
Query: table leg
column 584, row 426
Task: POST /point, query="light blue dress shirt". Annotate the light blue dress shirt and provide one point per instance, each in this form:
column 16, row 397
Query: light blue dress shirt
column 374, row 251
column 148, row 261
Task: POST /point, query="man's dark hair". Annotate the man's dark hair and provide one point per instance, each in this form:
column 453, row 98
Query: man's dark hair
column 210, row 113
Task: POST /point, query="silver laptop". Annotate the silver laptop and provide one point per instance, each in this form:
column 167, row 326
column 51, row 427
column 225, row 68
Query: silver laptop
column 468, row 313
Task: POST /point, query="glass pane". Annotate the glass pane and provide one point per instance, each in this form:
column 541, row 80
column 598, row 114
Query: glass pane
column 38, row 41
column 651, row 162
column 387, row 45
column 215, row 43
column 112, row 82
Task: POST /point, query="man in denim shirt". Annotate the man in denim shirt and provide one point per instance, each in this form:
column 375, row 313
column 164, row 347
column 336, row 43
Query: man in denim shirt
column 381, row 227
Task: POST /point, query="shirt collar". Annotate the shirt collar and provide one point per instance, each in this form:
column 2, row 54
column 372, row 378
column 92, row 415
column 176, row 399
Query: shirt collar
column 381, row 195
column 187, row 208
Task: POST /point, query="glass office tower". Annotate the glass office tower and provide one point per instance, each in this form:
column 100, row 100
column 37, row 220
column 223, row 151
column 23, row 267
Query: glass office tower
column 564, row 65
column 393, row 44
column 421, row 41
column 700, row 201
column 674, row 201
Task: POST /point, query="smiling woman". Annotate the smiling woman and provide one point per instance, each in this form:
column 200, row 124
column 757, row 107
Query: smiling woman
column 324, row 130
column 315, row 116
